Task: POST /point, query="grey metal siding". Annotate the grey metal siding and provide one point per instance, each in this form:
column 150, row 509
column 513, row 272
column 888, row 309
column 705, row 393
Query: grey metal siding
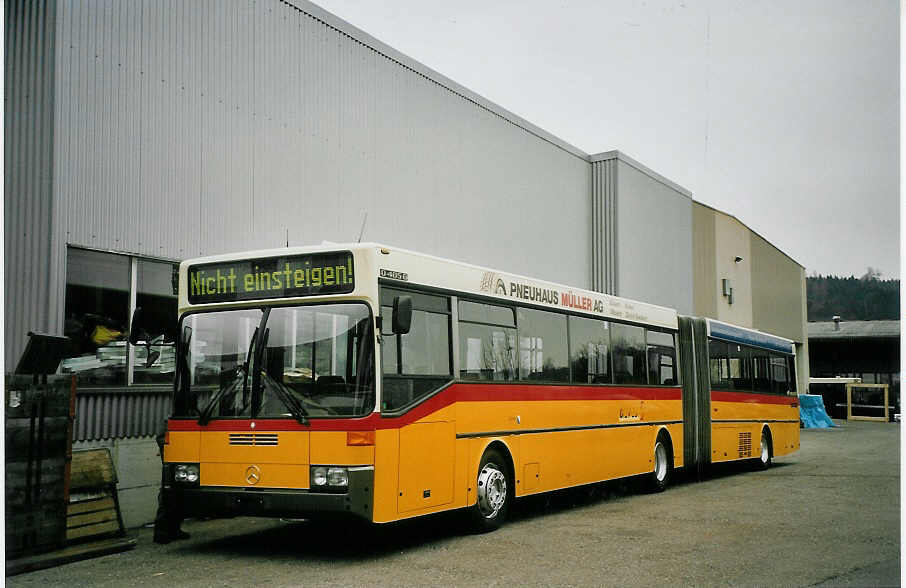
column 604, row 227
column 191, row 128
column 33, row 267
column 654, row 242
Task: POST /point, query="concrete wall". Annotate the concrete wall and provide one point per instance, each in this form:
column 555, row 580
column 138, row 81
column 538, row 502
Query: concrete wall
column 704, row 270
column 137, row 463
column 654, row 240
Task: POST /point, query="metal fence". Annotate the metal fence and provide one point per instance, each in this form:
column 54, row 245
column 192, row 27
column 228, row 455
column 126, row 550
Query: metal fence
column 120, row 413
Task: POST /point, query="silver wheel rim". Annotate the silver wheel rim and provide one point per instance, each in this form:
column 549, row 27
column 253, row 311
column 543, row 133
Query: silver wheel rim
column 764, row 448
column 660, row 462
column 491, row 490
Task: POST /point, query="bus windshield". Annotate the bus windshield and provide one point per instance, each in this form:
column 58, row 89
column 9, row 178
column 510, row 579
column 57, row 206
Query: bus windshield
column 297, row 362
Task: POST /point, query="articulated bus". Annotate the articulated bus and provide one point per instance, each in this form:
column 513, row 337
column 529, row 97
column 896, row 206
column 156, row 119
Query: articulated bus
column 378, row 383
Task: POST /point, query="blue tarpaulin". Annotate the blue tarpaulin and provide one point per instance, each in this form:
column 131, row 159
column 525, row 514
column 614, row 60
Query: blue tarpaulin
column 812, row 413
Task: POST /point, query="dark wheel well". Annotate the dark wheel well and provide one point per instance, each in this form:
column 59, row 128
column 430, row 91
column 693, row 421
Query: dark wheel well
column 770, row 437
column 503, row 450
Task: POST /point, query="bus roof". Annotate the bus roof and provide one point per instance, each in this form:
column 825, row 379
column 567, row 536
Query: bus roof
column 397, row 266
column 736, row 334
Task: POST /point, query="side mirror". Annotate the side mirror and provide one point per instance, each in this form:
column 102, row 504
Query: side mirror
column 402, row 314
column 148, row 325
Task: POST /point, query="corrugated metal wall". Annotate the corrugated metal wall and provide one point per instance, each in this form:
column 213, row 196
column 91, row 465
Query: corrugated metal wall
column 190, row 128
column 604, row 227
column 120, row 413
column 33, row 268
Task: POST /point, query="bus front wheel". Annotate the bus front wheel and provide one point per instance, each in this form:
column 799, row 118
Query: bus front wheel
column 494, row 492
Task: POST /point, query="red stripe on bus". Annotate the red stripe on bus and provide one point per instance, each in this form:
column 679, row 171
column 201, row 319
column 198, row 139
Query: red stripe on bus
column 455, row 393
column 751, row 398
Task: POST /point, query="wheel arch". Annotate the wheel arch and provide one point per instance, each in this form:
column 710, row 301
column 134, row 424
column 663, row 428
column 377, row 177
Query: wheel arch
column 665, row 433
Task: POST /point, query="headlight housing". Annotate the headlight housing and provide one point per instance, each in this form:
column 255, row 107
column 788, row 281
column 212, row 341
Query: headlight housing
column 185, row 473
column 329, row 479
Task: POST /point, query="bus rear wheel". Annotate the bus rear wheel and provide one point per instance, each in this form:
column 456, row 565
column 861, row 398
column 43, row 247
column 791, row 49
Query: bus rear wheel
column 663, row 467
column 494, row 490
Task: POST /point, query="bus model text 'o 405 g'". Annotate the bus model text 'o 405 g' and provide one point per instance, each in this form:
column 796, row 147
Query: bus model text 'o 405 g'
column 377, row 383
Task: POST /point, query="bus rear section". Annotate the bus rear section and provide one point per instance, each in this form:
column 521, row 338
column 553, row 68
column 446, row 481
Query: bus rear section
column 740, row 399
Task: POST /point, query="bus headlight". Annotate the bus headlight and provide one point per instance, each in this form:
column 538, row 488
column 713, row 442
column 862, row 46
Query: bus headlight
column 318, row 477
column 185, row 473
column 337, row 477
column 329, row 479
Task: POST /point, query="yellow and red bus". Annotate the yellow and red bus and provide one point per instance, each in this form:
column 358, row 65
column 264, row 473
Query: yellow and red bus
column 383, row 384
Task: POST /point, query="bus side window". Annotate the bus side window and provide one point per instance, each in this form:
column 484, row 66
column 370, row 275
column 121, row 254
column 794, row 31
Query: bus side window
column 543, row 350
column 418, row 362
column 629, row 356
column 589, row 344
column 487, row 342
column 661, row 359
column 720, row 365
column 761, row 370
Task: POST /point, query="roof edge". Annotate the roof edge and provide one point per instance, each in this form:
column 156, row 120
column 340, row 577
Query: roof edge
column 750, row 229
column 620, row 156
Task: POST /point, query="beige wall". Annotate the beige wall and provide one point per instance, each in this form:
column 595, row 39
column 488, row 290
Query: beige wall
column 732, row 239
column 704, row 272
column 768, row 287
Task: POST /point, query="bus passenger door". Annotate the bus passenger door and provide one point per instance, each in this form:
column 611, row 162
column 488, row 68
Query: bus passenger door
column 426, row 465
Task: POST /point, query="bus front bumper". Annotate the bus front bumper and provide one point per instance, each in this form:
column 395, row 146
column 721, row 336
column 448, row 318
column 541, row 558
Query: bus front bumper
column 219, row 501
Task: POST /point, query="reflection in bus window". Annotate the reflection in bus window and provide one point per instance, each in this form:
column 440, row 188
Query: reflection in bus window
column 661, row 359
column 542, row 346
column 589, row 342
column 628, row 343
column 418, row 362
column 719, row 364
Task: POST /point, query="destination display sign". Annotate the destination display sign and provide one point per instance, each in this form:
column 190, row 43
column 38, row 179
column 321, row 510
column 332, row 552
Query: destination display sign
column 272, row 277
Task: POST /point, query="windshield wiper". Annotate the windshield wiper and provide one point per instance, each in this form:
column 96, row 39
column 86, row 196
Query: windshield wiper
column 227, row 392
column 292, row 403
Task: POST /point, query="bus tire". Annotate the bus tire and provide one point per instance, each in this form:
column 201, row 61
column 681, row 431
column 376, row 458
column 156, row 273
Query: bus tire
column 766, row 454
column 663, row 464
column 494, row 491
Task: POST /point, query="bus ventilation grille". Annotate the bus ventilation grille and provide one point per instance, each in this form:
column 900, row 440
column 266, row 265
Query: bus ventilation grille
column 253, row 438
column 745, row 445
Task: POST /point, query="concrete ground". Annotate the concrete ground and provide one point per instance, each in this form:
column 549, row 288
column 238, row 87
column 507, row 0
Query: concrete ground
column 828, row 515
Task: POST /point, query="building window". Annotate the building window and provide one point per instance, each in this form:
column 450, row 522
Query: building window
column 99, row 301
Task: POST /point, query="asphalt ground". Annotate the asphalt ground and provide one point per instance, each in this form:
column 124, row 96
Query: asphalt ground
column 828, row 515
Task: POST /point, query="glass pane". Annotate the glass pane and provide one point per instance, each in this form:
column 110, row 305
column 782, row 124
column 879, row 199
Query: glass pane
column 486, row 313
column 629, row 359
column 589, row 343
column 486, row 352
column 97, row 309
column 719, row 364
column 779, row 376
column 154, row 294
column 543, row 352
column 389, row 355
column 740, row 367
column 761, row 372
column 318, row 357
column 426, row 347
column 661, row 359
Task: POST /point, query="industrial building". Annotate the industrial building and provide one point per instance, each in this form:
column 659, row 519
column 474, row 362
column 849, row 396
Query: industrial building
column 142, row 133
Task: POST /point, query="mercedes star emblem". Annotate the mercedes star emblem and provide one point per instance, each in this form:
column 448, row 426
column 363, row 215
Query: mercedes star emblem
column 253, row 474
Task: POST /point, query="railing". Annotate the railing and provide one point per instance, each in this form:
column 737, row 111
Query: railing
column 120, row 413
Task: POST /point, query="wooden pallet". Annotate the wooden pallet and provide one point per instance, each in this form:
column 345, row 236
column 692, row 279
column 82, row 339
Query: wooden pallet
column 94, row 509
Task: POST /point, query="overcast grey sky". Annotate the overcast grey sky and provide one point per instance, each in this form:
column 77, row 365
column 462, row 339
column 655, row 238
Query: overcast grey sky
column 784, row 113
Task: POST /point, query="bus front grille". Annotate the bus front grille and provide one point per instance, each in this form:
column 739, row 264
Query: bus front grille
column 253, row 439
